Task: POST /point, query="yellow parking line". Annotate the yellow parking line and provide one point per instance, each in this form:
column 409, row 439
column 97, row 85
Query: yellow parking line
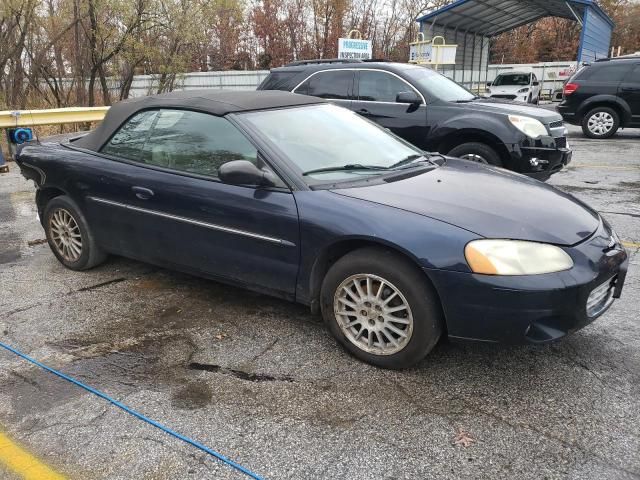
column 631, row 244
column 24, row 464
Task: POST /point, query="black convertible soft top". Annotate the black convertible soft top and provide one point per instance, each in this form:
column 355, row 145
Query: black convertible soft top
column 215, row 102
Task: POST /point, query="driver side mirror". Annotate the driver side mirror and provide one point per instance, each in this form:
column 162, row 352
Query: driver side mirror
column 488, row 84
column 243, row 172
column 408, row 97
column 535, row 84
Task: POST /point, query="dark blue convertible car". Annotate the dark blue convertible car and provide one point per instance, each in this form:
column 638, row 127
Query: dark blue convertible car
column 291, row 196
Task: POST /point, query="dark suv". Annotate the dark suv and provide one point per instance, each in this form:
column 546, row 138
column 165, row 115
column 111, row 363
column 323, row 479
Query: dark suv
column 435, row 113
column 604, row 96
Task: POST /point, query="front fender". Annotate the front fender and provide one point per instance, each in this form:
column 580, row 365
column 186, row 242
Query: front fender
column 327, row 219
column 478, row 123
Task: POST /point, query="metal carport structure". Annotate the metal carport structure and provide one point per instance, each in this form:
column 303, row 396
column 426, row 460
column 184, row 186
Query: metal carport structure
column 472, row 23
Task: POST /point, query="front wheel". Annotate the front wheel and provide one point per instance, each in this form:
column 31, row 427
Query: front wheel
column 69, row 236
column 381, row 308
column 601, row 122
column 477, row 152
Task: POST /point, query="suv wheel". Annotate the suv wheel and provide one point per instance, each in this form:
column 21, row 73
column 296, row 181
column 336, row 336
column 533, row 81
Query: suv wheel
column 381, row 308
column 601, row 122
column 476, row 152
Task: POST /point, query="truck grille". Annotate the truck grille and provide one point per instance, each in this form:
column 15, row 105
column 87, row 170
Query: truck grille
column 600, row 298
column 557, row 124
column 561, row 142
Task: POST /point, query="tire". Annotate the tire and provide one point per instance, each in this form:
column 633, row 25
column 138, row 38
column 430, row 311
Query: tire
column 600, row 122
column 421, row 323
column 477, row 152
column 65, row 226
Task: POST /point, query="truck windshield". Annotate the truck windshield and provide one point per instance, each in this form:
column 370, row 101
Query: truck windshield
column 438, row 86
column 327, row 143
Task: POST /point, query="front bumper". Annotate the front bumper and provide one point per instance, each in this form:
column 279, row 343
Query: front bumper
column 539, row 158
column 534, row 308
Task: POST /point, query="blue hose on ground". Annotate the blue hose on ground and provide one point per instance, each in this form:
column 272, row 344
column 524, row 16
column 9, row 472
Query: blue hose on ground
column 104, row 396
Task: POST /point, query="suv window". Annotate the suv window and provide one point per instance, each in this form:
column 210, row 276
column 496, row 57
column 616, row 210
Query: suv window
column 336, row 84
column 277, row 81
column 380, row 86
column 182, row 140
column 610, row 72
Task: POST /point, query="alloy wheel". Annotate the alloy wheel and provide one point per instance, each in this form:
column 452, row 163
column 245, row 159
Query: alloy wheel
column 474, row 157
column 600, row 123
column 65, row 234
column 373, row 314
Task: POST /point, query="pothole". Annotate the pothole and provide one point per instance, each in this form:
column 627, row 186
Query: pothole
column 242, row 375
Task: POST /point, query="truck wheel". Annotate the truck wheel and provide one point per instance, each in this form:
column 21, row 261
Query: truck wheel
column 601, row 122
column 69, row 236
column 476, row 152
column 381, row 308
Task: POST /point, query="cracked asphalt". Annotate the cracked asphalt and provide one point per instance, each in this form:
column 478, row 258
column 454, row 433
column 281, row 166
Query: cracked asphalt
column 261, row 381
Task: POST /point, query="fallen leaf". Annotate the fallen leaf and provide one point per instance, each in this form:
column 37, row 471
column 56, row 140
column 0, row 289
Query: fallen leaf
column 39, row 241
column 463, row 438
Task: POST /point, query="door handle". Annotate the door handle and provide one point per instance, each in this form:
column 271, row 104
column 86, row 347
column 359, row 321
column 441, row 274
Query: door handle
column 363, row 111
column 630, row 89
column 142, row 193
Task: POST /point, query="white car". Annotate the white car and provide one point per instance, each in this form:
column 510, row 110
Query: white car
column 516, row 86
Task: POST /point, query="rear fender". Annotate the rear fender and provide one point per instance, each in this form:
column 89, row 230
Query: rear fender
column 621, row 106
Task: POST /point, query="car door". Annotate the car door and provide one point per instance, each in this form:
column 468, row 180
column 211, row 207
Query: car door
column 336, row 85
column 173, row 210
column 376, row 94
column 535, row 87
column 629, row 91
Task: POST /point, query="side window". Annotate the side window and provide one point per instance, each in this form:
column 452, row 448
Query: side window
column 336, row 84
column 380, row 87
column 129, row 141
column 535, row 79
column 195, row 142
column 609, row 72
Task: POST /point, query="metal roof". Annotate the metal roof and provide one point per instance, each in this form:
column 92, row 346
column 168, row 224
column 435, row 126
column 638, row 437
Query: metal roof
column 492, row 17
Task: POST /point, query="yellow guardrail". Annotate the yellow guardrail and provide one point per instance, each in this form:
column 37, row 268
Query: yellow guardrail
column 52, row 116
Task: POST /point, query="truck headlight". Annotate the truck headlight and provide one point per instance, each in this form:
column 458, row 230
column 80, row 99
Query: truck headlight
column 529, row 126
column 515, row 257
column 523, row 90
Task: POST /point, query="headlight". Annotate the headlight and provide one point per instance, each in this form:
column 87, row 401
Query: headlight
column 515, row 257
column 523, row 90
column 529, row 126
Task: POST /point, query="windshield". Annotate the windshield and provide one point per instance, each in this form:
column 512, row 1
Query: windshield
column 438, row 86
column 328, row 143
column 520, row 79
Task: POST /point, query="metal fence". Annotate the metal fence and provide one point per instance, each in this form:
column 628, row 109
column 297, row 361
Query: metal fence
column 226, row 80
column 551, row 75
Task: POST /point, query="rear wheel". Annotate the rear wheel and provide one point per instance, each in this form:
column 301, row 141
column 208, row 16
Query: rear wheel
column 69, row 236
column 381, row 308
column 477, row 152
column 601, row 122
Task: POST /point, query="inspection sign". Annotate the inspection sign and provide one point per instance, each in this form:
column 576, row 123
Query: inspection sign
column 354, row 49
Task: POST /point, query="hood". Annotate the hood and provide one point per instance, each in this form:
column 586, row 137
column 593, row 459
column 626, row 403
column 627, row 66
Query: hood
column 493, row 105
column 508, row 89
column 492, row 202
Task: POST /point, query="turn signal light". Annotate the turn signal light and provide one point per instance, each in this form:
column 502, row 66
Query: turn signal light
column 569, row 88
